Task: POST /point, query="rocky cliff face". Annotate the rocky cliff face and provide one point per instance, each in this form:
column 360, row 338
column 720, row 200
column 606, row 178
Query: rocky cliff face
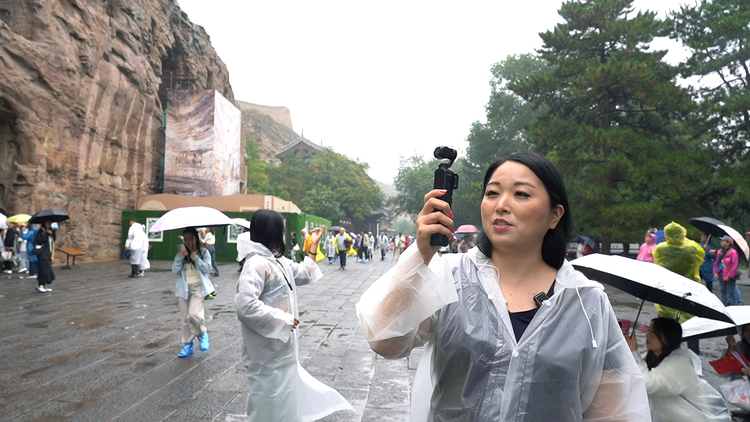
column 83, row 86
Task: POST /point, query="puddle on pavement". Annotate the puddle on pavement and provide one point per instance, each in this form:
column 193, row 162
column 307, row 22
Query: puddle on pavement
column 89, row 323
column 144, row 366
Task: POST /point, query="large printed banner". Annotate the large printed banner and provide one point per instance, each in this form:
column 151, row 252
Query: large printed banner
column 202, row 149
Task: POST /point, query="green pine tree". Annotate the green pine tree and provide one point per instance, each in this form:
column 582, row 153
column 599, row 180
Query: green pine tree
column 611, row 125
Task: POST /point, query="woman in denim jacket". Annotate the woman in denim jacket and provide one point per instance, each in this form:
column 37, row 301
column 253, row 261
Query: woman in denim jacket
column 192, row 265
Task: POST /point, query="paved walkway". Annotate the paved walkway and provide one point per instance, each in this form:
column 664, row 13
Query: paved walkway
column 102, row 347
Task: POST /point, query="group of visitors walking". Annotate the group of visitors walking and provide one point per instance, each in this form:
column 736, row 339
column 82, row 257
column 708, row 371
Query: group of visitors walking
column 28, row 249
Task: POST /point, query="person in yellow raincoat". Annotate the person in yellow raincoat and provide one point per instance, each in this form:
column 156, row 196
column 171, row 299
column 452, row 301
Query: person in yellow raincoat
column 682, row 256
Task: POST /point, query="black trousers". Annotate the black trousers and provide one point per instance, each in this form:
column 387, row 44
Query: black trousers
column 342, row 257
column 46, row 275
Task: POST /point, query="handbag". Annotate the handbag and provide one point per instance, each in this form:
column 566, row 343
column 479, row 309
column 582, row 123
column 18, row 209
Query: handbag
column 7, row 255
column 737, row 393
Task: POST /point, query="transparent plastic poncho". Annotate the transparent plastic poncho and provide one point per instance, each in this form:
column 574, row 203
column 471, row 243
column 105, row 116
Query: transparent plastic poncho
column 677, row 392
column 266, row 304
column 572, row 363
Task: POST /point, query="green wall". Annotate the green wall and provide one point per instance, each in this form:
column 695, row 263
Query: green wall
column 166, row 249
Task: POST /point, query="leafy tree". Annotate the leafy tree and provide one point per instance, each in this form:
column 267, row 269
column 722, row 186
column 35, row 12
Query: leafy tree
column 503, row 134
column 717, row 33
column 287, row 179
column 414, row 179
column 344, row 182
column 257, row 179
column 611, row 120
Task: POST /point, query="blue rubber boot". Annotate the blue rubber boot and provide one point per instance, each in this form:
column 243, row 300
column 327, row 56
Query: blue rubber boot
column 203, row 338
column 186, row 351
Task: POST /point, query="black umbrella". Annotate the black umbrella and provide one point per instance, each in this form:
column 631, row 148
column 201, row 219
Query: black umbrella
column 335, row 229
column 717, row 228
column 654, row 283
column 588, row 241
column 53, row 215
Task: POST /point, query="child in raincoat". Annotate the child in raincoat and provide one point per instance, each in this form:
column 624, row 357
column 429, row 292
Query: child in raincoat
column 266, row 303
column 673, row 375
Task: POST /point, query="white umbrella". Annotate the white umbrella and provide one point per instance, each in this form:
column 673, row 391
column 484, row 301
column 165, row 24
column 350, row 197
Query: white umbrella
column 698, row 328
column 3, row 222
column 179, row 218
column 241, row 222
column 654, row 283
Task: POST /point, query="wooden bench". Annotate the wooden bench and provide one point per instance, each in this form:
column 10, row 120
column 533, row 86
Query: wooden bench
column 68, row 253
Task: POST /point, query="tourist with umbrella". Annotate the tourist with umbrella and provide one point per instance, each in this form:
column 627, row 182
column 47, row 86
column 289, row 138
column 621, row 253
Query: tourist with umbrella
column 44, row 245
column 676, row 389
column 9, row 240
column 725, row 270
column 192, row 264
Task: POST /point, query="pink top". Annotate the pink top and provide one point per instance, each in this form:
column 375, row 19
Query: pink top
column 731, row 261
column 646, row 251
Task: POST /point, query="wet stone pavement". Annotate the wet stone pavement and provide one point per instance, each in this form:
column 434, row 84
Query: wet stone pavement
column 103, row 347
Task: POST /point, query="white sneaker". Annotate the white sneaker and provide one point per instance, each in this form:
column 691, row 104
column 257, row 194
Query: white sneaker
column 8, row 272
column 41, row 289
column 48, row 288
column 23, row 270
column 32, row 276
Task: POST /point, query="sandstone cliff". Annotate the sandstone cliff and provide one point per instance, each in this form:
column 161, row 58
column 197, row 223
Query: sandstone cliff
column 270, row 135
column 280, row 114
column 82, row 91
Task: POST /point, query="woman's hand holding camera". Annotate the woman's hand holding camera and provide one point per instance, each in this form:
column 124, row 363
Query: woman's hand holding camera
column 436, row 217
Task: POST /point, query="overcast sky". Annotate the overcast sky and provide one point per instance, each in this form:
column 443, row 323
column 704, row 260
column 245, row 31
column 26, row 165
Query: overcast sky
column 376, row 81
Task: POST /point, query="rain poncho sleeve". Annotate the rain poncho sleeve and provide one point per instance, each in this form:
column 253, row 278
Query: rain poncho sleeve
column 677, row 392
column 399, row 307
column 266, row 320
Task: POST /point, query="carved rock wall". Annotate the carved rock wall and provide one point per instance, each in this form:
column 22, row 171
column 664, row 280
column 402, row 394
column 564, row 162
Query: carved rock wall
column 81, row 89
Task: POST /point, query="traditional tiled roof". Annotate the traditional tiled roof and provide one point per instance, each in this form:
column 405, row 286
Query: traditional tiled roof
column 300, row 140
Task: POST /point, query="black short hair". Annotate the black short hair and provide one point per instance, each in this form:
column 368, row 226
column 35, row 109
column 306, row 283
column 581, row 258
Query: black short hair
column 267, row 228
column 555, row 240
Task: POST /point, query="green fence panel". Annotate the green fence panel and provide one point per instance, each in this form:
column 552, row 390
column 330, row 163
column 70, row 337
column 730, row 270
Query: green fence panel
column 164, row 245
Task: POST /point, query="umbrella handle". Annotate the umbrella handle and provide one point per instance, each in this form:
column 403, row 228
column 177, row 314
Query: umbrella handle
column 635, row 323
column 679, row 308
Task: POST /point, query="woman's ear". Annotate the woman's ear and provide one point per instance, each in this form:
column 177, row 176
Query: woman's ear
column 557, row 213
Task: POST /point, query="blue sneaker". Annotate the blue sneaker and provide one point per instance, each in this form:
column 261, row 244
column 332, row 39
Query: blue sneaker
column 203, row 338
column 186, row 351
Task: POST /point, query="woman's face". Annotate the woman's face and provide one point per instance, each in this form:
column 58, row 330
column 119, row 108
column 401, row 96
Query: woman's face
column 653, row 342
column 649, row 239
column 746, row 332
column 516, row 210
column 725, row 244
column 190, row 240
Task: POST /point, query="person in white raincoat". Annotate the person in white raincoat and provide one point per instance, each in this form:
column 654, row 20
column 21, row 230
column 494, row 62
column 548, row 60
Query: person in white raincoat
column 676, row 391
column 137, row 244
column 493, row 352
column 266, row 303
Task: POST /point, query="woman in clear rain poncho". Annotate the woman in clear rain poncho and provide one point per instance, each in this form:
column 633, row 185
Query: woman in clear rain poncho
column 266, row 303
column 675, row 388
column 493, row 354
